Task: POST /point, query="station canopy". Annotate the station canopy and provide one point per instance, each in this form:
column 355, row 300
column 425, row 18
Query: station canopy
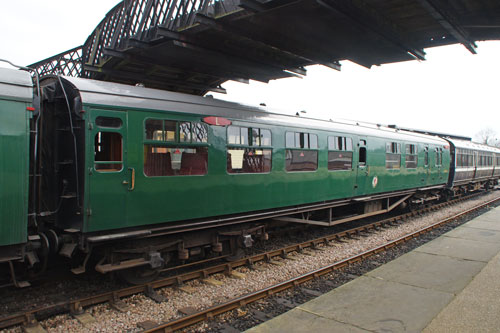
column 193, row 46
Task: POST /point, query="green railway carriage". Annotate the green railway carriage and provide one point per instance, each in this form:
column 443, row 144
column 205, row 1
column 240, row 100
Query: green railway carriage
column 134, row 176
column 151, row 157
column 16, row 94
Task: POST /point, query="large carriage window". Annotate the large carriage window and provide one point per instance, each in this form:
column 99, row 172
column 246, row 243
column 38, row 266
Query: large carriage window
column 246, row 152
column 175, row 148
column 171, row 161
column 411, row 156
column 485, row 160
column 464, row 158
column 248, row 160
column 304, row 158
column 393, row 155
column 108, row 152
column 339, row 153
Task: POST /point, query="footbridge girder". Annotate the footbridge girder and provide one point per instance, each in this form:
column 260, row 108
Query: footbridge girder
column 195, row 45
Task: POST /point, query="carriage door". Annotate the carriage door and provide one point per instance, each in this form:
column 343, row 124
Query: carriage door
column 109, row 177
column 427, row 171
column 439, row 164
column 363, row 169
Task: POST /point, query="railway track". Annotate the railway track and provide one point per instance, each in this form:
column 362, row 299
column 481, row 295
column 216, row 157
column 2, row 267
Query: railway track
column 76, row 307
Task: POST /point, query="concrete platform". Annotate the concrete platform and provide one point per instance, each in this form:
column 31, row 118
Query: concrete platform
column 450, row 284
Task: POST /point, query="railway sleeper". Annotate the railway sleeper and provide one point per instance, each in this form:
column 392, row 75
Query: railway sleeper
column 31, row 325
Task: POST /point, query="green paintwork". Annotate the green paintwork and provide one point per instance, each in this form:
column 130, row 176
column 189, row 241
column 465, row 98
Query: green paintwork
column 110, row 204
column 14, row 161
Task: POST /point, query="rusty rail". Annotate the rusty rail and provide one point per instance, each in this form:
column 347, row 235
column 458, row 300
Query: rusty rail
column 291, row 283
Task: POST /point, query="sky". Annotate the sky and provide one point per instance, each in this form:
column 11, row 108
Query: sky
column 453, row 91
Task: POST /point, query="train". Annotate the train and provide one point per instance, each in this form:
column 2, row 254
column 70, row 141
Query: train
column 130, row 180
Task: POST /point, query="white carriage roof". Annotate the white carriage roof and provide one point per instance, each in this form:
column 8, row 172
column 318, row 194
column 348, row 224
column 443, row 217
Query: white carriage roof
column 95, row 92
column 15, row 84
column 474, row 146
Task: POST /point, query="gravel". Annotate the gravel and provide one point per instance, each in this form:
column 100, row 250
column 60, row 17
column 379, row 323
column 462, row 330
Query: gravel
column 142, row 308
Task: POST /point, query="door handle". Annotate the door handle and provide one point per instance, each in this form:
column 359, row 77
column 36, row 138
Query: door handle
column 132, row 185
column 132, row 182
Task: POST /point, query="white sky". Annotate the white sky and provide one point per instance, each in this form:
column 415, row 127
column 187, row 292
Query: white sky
column 452, row 91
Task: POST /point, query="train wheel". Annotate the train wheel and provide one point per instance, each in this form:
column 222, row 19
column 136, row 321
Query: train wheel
column 139, row 275
column 236, row 255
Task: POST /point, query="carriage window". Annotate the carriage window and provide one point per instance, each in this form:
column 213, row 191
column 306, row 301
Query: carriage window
column 243, row 152
column 304, row 158
column 233, row 135
column 301, row 140
column 185, row 132
column 426, row 156
column 439, row 156
column 393, row 155
column 339, row 143
column 339, row 153
column 313, row 141
column 248, row 160
column 199, row 132
column 193, row 132
column 244, row 136
column 411, row 156
column 362, row 156
column 175, row 161
column 160, row 130
column 108, row 152
column 109, row 122
column 237, row 135
column 290, row 139
column 261, row 137
column 301, row 160
column 265, row 137
column 255, row 137
column 175, row 148
column 464, row 158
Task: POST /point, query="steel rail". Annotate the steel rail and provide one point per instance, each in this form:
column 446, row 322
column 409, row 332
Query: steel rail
column 76, row 306
column 291, row 283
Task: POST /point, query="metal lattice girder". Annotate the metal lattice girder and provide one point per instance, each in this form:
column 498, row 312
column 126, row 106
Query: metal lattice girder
column 68, row 63
column 140, row 19
column 195, row 45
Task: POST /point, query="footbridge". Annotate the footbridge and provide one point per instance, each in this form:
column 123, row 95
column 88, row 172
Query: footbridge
column 193, row 46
